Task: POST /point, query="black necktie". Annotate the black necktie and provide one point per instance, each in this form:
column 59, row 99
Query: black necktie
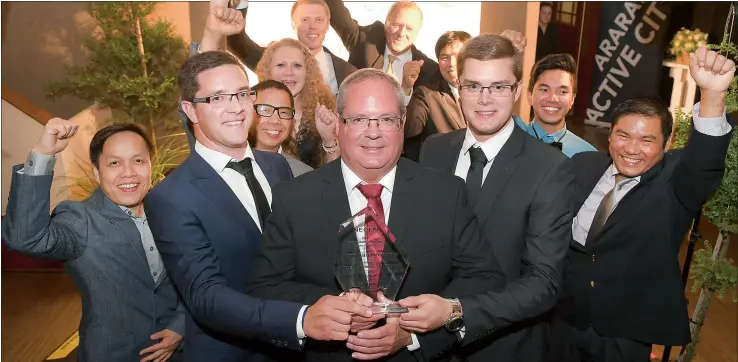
column 245, row 168
column 474, row 176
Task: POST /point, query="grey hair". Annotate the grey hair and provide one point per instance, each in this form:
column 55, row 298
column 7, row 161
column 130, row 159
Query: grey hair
column 366, row 74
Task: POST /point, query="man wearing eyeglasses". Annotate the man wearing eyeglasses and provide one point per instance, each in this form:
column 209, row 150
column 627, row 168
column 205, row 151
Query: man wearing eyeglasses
column 207, row 216
column 272, row 130
column 520, row 190
column 425, row 210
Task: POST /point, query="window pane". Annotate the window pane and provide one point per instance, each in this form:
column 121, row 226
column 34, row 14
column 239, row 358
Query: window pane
column 566, row 6
column 566, row 18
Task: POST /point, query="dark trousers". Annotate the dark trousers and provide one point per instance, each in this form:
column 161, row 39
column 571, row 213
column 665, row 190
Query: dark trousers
column 574, row 345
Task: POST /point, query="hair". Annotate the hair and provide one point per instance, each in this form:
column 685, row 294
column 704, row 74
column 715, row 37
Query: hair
column 449, row 38
column 489, row 47
column 310, row 2
column 198, row 63
column 103, row 135
column 546, row 4
column 403, row 4
column 647, row 107
column 289, row 146
column 313, row 91
column 563, row 62
column 366, row 74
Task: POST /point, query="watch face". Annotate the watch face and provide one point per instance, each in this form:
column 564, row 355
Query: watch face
column 456, row 324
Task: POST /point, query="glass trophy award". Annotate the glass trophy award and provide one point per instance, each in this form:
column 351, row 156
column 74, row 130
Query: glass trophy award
column 360, row 268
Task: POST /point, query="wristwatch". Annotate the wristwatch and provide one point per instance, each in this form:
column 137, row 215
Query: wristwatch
column 455, row 321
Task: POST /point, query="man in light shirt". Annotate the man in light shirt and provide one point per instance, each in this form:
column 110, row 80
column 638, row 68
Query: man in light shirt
column 426, row 210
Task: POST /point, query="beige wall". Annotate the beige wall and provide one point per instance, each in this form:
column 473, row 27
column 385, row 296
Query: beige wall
column 19, row 133
column 519, row 16
column 40, row 38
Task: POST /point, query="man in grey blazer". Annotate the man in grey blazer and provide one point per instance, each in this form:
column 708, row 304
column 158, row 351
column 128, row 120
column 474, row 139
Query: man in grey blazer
column 130, row 308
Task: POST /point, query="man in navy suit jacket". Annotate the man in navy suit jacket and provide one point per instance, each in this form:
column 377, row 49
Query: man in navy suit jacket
column 207, row 217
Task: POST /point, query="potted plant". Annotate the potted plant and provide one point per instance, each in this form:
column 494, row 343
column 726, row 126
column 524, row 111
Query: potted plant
column 712, row 272
column 132, row 70
column 686, row 41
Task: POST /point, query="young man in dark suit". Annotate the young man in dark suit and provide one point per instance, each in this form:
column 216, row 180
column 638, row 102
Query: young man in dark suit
column 622, row 283
column 437, row 230
column 521, row 190
column 207, row 217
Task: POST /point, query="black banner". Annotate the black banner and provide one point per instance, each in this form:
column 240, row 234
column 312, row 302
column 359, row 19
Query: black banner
column 631, row 47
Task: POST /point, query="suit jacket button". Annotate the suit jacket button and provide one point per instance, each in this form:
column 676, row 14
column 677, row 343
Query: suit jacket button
column 594, row 257
column 592, row 284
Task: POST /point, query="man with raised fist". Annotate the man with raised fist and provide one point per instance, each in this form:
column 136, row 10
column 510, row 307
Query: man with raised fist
column 130, row 309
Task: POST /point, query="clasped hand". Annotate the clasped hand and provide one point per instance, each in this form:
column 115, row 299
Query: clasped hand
column 332, row 318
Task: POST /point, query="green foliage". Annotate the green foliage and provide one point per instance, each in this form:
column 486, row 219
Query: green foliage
column 716, row 276
column 113, row 75
column 132, row 69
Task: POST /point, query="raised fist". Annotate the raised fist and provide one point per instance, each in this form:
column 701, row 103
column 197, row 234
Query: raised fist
column 517, row 38
column 410, row 73
column 55, row 137
column 711, row 71
column 225, row 21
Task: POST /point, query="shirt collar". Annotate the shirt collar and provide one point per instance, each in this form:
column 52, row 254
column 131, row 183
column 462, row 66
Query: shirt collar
column 492, row 146
column 322, row 57
column 404, row 57
column 131, row 214
column 612, row 171
column 542, row 133
column 350, row 179
column 217, row 160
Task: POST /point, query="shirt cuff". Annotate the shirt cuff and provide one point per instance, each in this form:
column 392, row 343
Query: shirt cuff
column 407, row 98
column 416, row 343
column 38, row 164
column 716, row 127
column 300, row 331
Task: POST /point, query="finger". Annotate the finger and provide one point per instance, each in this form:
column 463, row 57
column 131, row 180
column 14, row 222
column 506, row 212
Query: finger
column 158, row 335
column 154, row 355
column 164, row 357
column 151, row 349
column 728, row 66
column 366, row 349
column 701, row 53
column 710, row 60
column 352, row 307
column 373, row 319
column 377, row 333
column 381, row 298
column 414, row 302
column 367, row 357
column 74, row 130
column 717, row 66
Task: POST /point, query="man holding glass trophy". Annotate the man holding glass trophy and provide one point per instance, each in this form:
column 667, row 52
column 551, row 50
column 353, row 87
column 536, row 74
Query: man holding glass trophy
column 313, row 246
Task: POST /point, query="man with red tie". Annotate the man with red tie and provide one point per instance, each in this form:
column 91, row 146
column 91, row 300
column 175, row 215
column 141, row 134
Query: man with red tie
column 436, row 231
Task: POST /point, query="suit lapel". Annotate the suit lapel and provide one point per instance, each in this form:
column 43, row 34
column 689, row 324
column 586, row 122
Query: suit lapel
column 630, row 201
column 402, row 202
column 266, row 167
column 205, row 179
column 451, row 155
column 338, row 69
column 503, row 166
column 123, row 222
column 450, row 104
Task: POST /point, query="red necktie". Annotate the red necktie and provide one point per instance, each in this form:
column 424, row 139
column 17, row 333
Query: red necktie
column 374, row 237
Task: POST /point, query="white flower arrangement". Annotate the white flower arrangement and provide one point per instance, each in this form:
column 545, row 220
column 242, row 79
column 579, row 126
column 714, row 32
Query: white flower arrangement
column 687, row 41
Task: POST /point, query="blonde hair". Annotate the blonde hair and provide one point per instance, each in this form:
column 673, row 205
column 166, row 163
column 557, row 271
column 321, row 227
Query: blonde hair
column 310, row 2
column 313, row 91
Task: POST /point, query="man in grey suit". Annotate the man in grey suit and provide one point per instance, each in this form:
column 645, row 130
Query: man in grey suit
column 130, row 308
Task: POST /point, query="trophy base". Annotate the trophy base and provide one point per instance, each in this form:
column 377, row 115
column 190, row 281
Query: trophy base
column 388, row 308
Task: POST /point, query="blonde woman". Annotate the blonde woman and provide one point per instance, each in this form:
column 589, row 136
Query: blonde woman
column 288, row 61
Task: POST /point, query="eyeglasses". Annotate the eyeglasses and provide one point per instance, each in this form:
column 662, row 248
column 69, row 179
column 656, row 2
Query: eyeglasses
column 385, row 124
column 224, row 99
column 267, row 110
column 497, row 90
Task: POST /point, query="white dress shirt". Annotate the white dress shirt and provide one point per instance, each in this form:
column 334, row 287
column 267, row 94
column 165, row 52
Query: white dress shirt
column 491, row 148
column 455, row 92
column 397, row 66
column 326, row 67
column 235, row 180
column 357, row 202
column 716, row 127
column 238, row 185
